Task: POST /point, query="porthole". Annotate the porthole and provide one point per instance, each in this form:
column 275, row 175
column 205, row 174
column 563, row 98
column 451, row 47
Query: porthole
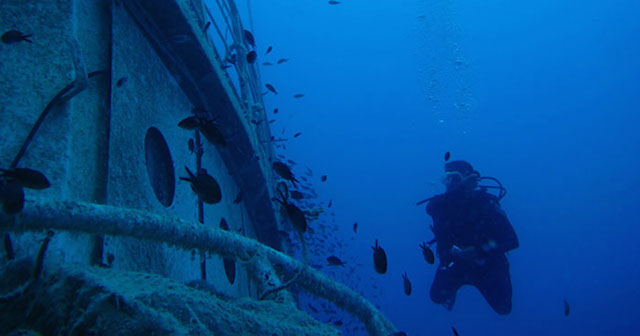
column 159, row 166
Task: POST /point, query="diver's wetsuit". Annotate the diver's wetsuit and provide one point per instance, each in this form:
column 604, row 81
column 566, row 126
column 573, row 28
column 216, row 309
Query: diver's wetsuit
column 474, row 221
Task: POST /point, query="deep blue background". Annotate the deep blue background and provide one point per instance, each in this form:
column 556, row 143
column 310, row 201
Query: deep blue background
column 543, row 95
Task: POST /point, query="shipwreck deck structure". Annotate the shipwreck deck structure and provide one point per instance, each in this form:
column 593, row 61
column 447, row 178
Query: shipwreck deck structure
column 94, row 103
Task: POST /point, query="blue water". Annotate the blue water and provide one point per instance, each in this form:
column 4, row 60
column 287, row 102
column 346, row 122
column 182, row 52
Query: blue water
column 543, row 95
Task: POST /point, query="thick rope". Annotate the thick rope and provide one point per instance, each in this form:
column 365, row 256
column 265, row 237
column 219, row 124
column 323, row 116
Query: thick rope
column 43, row 214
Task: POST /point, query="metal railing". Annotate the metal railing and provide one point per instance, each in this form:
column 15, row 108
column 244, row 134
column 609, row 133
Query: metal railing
column 226, row 31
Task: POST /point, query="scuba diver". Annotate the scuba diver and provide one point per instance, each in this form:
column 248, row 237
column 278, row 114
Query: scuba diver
column 472, row 235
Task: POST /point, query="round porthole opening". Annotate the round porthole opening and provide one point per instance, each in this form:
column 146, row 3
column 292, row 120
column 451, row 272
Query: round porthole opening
column 159, row 166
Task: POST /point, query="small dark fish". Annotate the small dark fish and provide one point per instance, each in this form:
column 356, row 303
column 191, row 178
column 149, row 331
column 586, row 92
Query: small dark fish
column 121, row 81
column 223, row 224
column 271, row 88
column 427, row 254
column 455, row 332
column 205, row 186
column 252, row 56
column 110, row 259
column 269, row 50
column 399, row 333
column 189, row 123
column 297, row 134
column 296, row 195
column 284, row 172
column 191, row 145
column 294, row 214
column 335, row 261
column 267, row 63
column 225, row 66
column 333, row 2
column 272, row 121
column 379, row 259
column 298, row 95
column 567, row 310
column 249, row 38
column 329, row 205
column 447, row 155
column 213, row 134
column 26, row 177
column 8, row 245
column 407, row 284
column 337, row 323
column 238, row 198
column 204, row 30
column 355, row 227
column 282, row 60
column 275, row 111
column 11, row 197
column 229, row 263
column 323, row 178
column 14, row 36
column 312, row 308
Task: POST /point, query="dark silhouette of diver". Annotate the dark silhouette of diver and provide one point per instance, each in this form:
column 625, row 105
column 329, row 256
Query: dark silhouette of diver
column 473, row 234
